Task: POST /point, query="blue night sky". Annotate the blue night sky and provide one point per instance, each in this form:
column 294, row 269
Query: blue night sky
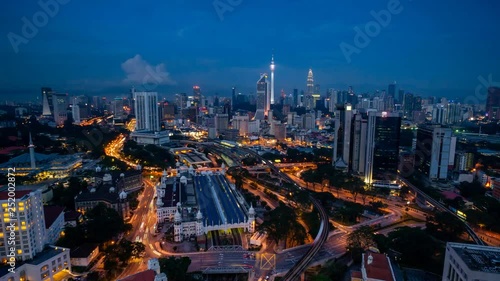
column 104, row 47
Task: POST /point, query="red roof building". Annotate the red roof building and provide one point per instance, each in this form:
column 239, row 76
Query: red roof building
column 374, row 266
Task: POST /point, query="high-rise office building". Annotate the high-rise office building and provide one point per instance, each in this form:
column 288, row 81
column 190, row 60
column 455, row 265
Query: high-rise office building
column 454, row 113
column 408, row 104
column 118, row 111
column 342, row 141
column 47, row 104
column 401, row 96
column 272, row 98
column 309, row 101
column 181, row 101
column 439, row 114
column 167, row 110
column 358, row 147
column 75, row 113
column 221, row 122
column 308, row 121
column 197, row 96
column 262, row 97
column 433, row 151
column 29, row 224
column 146, row 109
column 61, row 105
column 310, row 82
column 296, row 101
column 391, row 91
column 382, row 151
column 240, row 122
column 131, row 101
column 493, row 103
column 234, row 102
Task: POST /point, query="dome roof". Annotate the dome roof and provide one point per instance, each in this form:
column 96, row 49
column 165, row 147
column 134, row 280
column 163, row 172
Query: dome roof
column 177, row 216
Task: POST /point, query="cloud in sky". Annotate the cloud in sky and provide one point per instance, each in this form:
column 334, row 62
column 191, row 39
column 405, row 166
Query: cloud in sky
column 140, row 72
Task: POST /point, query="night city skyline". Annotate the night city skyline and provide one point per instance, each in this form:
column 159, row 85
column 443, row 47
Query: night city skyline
column 83, row 49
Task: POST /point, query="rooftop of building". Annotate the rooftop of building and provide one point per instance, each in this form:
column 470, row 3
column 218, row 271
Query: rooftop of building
column 478, row 258
column 84, row 250
column 4, row 195
column 173, row 193
column 41, row 160
column 51, row 213
column 46, row 254
column 147, row 275
column 379, row 268
column 116, row 174
column 99, row 193
column 72, row 215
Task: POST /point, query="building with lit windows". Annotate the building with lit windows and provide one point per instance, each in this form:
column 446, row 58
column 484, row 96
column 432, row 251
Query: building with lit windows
column 382, row 150
column 42, row 166
column 435, row 151
column 53, row 263
column 493, row 103
column 342, row 143
column 47, row 105
column 146, row 111
column 262, row 97
column 104, row 192
column 28, row 218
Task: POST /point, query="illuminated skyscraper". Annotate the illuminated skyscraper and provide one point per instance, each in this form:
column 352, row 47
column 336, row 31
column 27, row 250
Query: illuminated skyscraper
column 382, row 150
column 48, row 105
column 146, row 108
column 310, row 82
column 308, row 99
column 60, row 108
column 262, row 97
column 197, row 96
column 272, row 98
column 392, row 90
column 493, row 103
column 28, row 218
column 342, row 142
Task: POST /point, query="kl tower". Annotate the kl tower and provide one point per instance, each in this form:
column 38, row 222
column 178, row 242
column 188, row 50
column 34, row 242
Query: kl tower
column 272, row 78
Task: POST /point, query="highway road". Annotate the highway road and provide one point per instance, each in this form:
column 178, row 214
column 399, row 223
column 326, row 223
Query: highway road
column 143, row 221
column 290, row 262
column 440, row 206
column 302, row 264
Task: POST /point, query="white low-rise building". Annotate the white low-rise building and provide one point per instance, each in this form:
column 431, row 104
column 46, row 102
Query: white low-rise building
column 468, row 262
column 45, row 266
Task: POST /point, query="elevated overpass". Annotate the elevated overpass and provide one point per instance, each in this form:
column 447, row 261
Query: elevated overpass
column 442, row 208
